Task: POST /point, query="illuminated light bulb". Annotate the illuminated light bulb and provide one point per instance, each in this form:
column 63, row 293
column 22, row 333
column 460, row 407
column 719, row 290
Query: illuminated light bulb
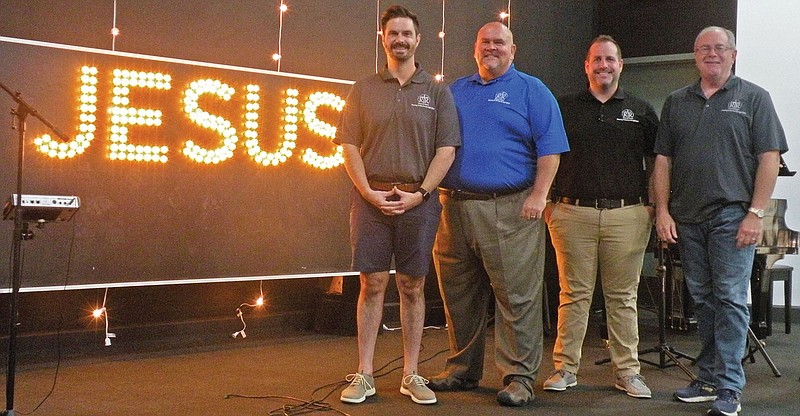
column 441, row 35
column 122, row 115
column 254, row 150
column 321, row 128
column 504, row 15
column 88, row 96
column 260, row 301
column 98, row 312
column 439, row 77
column 276, row 56
column 283, row 8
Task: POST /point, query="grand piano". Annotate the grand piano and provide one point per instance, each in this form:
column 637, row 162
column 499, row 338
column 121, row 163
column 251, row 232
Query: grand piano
column 776, row 242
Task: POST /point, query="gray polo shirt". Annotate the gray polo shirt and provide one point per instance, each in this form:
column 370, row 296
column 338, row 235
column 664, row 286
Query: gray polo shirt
column 398, row 128
column 714, row 145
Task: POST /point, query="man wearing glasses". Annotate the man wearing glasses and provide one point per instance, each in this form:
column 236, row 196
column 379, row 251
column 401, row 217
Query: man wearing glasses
column 717, row 156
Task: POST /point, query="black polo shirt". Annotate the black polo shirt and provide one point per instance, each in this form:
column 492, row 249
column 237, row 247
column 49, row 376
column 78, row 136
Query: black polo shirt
column 608, row 143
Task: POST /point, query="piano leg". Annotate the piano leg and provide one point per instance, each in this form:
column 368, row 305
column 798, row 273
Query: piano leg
column 759, row 294
column 758, row 329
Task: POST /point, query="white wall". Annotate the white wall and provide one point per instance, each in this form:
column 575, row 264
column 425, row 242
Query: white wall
column 767, row 39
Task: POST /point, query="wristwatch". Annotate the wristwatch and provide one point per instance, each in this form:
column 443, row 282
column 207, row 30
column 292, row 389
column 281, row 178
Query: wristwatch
column 758, row 212
column 425, row 194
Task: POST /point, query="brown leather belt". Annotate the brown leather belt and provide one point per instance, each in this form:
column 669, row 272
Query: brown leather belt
column 601, row 203
column 387, row 186
column 462, row 195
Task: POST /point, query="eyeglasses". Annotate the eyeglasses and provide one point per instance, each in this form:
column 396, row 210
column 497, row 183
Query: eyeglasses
column 718, row 49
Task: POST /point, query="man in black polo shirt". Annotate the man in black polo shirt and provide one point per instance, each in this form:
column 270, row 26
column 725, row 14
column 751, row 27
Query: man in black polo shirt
column 600, row 218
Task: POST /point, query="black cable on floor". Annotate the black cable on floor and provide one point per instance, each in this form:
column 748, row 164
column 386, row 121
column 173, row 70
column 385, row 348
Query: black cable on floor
column 320, row 405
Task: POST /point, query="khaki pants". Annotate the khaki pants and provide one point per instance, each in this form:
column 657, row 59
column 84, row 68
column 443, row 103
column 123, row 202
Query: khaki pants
column 613, row 241
column 484, row 246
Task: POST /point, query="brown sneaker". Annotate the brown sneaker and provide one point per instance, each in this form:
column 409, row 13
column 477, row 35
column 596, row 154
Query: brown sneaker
column 445, row 382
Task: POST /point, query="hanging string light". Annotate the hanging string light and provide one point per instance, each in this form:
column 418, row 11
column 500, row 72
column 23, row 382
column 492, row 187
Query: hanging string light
column 440, row 75
column 259, row 302
column 277, row 56
column 378, row 32
column 506, row 15
column 102, row 313
column 114, row 29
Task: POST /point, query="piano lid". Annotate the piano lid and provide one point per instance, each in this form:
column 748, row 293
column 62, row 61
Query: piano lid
column 777, row 237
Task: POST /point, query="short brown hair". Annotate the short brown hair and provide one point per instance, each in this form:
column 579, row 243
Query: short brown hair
column 396, row 11
column 604, row 38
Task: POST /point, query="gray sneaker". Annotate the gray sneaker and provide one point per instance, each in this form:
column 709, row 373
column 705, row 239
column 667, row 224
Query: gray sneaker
column 361, row 386
column 560, row 380
column 414, row 385
column 633, row 386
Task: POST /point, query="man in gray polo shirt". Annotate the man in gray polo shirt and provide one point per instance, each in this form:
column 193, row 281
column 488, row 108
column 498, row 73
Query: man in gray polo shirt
column 399, row 131
column 718, row 151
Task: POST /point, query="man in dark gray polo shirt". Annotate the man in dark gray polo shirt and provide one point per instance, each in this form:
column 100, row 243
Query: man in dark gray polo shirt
column 399, row 131
column 718, row 151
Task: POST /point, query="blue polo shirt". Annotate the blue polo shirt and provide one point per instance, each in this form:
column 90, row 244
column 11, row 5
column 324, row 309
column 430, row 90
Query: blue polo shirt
column 506, row 124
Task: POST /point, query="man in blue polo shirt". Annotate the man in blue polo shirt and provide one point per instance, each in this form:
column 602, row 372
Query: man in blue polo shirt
column 491, row 237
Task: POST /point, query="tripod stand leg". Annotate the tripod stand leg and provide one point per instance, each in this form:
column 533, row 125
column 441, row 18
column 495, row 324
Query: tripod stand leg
column 665, row 352
column 673, row 355
column 760, row 347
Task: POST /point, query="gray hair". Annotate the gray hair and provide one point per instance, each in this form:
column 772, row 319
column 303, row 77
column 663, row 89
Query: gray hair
column 728, row 33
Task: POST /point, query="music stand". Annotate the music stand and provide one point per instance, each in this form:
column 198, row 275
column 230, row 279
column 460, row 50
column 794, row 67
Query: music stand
column 666, row 353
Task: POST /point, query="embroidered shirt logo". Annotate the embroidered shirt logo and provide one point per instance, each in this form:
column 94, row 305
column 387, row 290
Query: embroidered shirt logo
column 500, row 97
column 735, row 106
column 424, row 101
column 627, row 115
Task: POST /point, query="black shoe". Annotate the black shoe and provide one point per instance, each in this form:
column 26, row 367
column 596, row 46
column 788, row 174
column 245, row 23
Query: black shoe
column 444, row 382
column 517, row 393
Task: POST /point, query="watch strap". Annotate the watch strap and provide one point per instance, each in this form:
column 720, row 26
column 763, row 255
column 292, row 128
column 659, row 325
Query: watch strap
column 425, row 193
column 758, row 212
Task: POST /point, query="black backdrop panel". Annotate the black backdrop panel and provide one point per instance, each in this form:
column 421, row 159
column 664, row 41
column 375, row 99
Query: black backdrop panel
column 181, row 219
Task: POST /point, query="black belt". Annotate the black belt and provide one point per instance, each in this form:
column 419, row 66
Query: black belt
column 463, row 195
column 601, row 203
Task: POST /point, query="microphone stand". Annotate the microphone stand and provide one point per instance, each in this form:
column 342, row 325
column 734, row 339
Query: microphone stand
column 665, row 351
column 21, row 232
